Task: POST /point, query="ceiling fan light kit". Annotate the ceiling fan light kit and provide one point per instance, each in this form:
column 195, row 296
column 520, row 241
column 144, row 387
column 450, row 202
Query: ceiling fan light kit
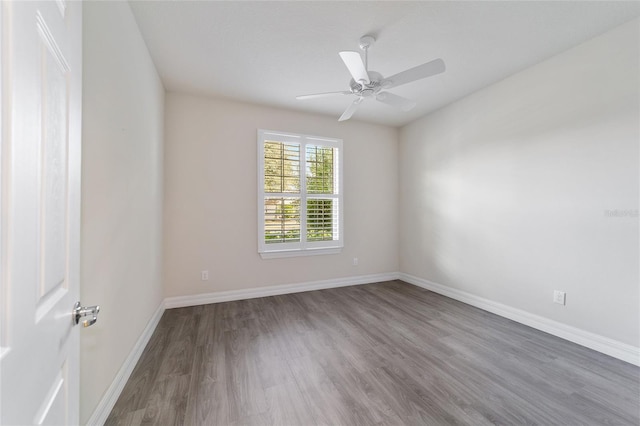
column 370, row 84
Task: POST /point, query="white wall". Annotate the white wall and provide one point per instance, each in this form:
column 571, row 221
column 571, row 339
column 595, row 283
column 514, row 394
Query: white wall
column 121, row 193
column 504, row 193
column 210, row 209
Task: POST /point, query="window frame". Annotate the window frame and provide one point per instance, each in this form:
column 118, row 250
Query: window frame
column 304, row 247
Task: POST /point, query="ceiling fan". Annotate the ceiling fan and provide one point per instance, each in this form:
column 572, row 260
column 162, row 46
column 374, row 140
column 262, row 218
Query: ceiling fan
column 371, row 84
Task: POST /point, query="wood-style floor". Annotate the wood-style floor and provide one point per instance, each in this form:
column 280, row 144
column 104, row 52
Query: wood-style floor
column 387, row 353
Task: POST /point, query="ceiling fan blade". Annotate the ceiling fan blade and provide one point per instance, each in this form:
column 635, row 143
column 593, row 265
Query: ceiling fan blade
column 416, row 73
column 322, row 95
column 356, row 67
column 350, row 110
column 395, row 100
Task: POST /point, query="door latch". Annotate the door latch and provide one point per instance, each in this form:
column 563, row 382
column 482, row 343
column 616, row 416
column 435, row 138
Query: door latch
column 80, row 311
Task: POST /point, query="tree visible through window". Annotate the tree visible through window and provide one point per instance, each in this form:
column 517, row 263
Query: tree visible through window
column 300, row 192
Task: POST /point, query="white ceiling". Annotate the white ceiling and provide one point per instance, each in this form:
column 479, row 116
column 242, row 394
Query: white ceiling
column 268, row 52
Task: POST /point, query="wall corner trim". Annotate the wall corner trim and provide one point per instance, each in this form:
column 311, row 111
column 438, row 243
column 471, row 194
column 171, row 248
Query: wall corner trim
column 102, row 411
column 251, row 293
column 605, row 345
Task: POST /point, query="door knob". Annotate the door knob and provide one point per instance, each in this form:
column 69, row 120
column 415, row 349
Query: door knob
column 80, row 311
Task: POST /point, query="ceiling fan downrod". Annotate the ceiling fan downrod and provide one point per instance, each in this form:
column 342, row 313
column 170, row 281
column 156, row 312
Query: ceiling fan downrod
column 365, row 43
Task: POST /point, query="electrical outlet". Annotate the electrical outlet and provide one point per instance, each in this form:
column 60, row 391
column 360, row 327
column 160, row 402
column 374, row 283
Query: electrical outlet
column 355, row 261
column 205, row 275
column 559, row 297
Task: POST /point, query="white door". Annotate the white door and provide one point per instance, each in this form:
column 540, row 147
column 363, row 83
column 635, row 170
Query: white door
column 41, row 77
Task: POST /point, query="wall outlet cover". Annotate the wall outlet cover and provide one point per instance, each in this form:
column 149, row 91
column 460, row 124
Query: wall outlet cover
column 559, row 297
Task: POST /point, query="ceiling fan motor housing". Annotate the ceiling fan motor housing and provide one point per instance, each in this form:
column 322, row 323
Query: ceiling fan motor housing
column 367, row 89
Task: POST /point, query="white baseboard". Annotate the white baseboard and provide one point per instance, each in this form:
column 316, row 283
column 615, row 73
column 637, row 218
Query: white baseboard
column 614, row 348
column 251, row 293
column 100, row 414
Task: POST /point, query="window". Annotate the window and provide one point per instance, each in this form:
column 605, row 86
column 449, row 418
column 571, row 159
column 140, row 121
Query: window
column 299, row 195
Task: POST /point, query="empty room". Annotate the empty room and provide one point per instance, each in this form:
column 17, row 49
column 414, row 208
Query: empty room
column 320, row 213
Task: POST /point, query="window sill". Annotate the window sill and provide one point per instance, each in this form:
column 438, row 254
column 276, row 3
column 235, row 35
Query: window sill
column 299, row 253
